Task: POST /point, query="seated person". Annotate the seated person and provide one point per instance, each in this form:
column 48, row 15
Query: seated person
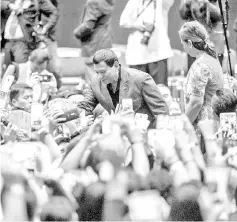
column 205, row 12
column 35, row 68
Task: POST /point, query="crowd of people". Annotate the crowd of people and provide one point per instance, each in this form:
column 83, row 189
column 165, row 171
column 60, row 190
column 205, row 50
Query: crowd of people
column 108, row 147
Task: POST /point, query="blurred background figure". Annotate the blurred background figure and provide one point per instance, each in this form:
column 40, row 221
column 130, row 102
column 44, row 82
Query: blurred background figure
column 208, row 13
column 148, row 46
column 94, row 31
column 27, row 24
column 19, row 45
column 34, row 71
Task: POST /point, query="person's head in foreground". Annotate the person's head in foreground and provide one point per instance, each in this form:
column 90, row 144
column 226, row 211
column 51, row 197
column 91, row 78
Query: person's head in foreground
column 39, row 59
column 106, row 65
column 224, row 101
column 185, row 204
column 195, row 39
column 21, row 96
column 57, row 209
column 91, row 202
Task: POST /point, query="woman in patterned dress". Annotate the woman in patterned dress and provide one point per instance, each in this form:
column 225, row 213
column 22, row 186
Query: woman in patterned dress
column 205, row 76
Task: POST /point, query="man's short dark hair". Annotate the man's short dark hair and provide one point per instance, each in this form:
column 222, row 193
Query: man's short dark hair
column 18, row 89
column 224, row 101
column 185, row 204
column 105, row 55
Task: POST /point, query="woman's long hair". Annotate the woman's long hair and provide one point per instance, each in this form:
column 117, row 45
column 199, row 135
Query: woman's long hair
column 197, row 34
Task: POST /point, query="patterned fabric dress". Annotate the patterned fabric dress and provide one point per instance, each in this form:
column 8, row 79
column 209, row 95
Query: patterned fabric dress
column 204, row 78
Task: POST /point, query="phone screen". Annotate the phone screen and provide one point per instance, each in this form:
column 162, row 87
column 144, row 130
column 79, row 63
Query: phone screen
column 70, row 115
column 45, row 78
column 228, row 124
column 228, row 128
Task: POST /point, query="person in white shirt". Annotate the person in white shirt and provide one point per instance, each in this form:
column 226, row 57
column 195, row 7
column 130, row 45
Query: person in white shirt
column 148, row 46
column 35, row 68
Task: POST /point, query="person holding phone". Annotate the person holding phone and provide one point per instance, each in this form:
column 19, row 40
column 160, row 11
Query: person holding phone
column 34, row 71
column 113, row 83
column 205, row 76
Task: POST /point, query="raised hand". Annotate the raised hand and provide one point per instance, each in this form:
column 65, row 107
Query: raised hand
column 212, row 148
column 187, row 142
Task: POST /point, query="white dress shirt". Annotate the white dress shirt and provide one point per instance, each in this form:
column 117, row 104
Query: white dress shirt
column 158, row 47
column 25, row 77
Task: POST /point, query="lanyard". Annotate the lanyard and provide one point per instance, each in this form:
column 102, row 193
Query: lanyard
column 139, row 13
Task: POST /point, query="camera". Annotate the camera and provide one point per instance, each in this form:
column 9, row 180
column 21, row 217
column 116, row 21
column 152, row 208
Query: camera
column 45, row 78
column 147, row 33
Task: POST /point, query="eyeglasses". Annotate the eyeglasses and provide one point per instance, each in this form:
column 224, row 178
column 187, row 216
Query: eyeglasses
column 101, row 72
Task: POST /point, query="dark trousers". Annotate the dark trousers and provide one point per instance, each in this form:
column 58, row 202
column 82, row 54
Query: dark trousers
column 19, row 51
column 158, row 71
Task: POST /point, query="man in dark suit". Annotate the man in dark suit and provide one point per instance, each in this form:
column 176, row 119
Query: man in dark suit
column 114, row 83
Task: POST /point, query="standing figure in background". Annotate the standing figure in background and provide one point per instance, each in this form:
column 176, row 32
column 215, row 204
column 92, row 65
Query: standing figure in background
column 52, row 45
column 94, row 31
column 29, row 14
column 208, row 14
column 205, row 76
column 148, row 46
column 34, row 71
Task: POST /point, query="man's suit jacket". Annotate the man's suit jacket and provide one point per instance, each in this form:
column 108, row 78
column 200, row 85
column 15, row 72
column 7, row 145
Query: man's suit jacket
column 137, row 85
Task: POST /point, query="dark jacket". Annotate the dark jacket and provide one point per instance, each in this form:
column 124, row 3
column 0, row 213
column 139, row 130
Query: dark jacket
column 94, row 31
column 29, row 18
column 137, row 85
column 45, row 19
column 5, row 12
